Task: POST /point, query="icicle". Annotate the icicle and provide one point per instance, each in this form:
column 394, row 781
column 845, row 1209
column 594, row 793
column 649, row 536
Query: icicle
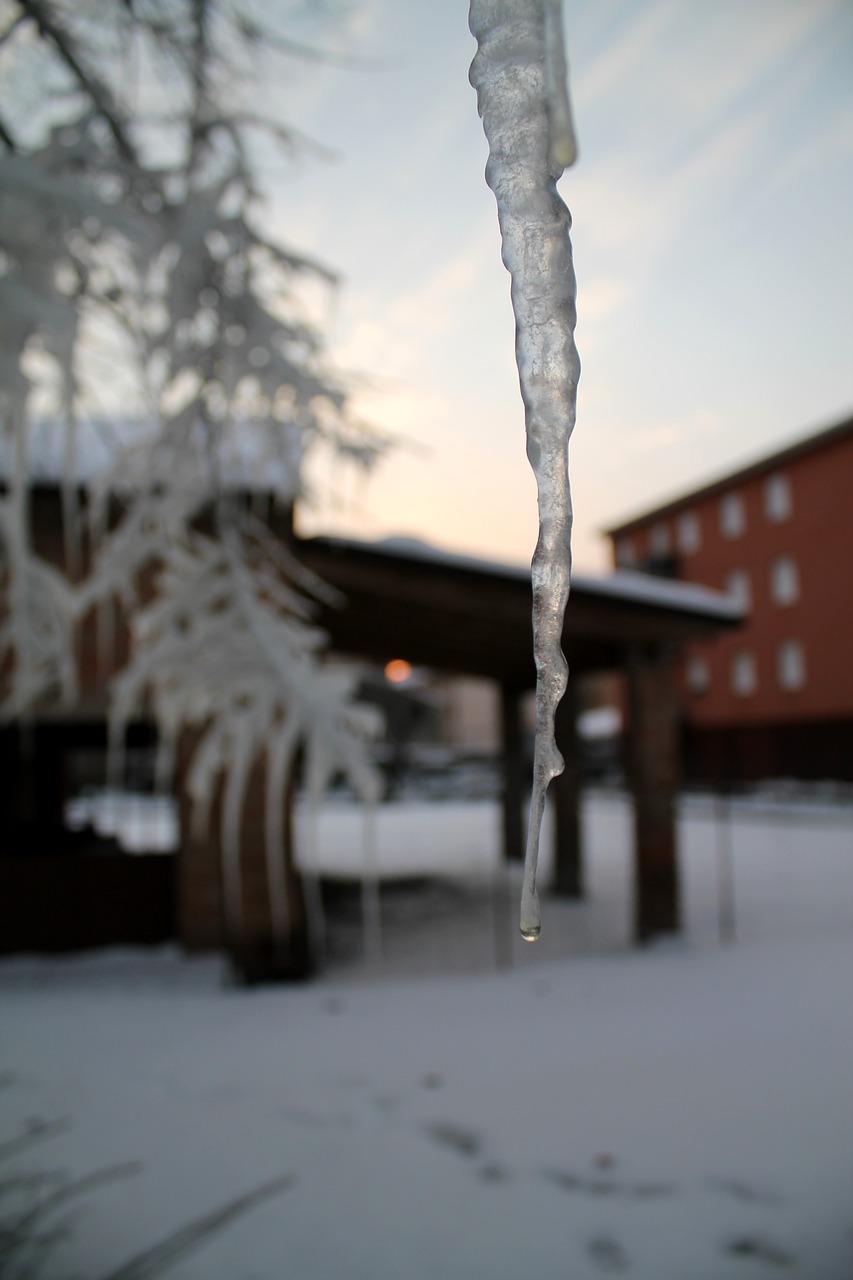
column 562, row 144
column 519, row 75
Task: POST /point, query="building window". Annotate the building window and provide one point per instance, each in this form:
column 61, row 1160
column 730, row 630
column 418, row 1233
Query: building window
column 744, row 673
column 625, row 553
column 689, row 533
column 698, row 675
column 784, row 580
column 791, row 665
column 738, row 585
column 777, row 498
column 659, row 540
column 732, row 515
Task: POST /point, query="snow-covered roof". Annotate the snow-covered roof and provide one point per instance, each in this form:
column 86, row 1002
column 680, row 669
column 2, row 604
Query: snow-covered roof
column 249, row 455
column 97, row 444
column 663, row 593
column 623, row 584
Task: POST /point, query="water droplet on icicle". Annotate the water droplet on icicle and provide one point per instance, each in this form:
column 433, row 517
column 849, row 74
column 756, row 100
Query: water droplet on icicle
column 531, row 930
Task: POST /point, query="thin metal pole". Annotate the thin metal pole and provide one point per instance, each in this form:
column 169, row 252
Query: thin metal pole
column 725, row 867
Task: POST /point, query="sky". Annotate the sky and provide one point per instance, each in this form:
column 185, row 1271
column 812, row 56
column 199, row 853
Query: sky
column 713, row 226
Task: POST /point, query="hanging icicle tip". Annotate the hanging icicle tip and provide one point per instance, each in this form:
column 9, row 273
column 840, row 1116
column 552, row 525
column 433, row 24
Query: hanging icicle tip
column 563, row 143
column 519, row 73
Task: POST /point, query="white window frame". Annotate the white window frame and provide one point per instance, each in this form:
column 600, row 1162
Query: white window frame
column 778, row 500
column 659, row 540
column 626, row 556
column 697, row 674
column 732, row 515
column 744, row 673
column 791, row 665
column 688, row 532
column 784, row 581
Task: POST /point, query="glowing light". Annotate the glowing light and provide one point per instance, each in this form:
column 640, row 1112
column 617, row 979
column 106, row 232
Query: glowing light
column 398, row 670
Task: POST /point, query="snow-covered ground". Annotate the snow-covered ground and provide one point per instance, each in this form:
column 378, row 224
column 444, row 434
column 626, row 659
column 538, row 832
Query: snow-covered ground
column 582, row 1110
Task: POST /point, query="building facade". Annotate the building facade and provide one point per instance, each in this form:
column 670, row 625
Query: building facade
column 776, row 698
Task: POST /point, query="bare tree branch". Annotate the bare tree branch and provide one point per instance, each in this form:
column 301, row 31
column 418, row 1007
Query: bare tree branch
column 6, row 138
column 12, row 27
column 99, row 93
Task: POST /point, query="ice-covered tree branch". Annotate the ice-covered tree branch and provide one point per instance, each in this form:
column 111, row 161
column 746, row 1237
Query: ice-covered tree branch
column 53, row 29
column 143, row 241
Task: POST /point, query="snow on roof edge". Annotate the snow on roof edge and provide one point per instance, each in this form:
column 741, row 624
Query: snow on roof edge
column 624, row 584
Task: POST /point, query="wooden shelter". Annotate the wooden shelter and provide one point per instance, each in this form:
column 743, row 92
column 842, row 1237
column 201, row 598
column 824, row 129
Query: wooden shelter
column 405, row 599
column 398, row 599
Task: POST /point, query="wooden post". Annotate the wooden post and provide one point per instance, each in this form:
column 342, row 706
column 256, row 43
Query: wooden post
column 653, row 774
column 257, row 954
column 513, row 774
column 260, row 954
column 565, row 792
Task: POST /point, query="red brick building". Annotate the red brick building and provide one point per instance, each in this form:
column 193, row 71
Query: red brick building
column 776, row 697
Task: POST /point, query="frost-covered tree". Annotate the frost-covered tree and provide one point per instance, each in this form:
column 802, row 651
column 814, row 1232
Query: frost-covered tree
column 139, row 293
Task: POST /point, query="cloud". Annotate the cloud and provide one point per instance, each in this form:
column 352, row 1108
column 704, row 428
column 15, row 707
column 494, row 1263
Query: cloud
column 629, row 219
column 684, row 110
column 719, row 60
column 831, row 147
column 671, row 434
column 391, row 332
column 606, row 76
column 602, row 298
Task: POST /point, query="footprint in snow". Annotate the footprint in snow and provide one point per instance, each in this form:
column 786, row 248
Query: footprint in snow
column 747, row 1194
column 761, row 1249
column 607, row 1186
column 608, row 1254
column 466, row 1142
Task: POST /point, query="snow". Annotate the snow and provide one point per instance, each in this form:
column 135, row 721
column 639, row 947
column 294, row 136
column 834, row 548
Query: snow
column 600, row 722
column 683, row 1111
column 245, row 457
column 663, row 593
column 624, row 584
column 141, row 823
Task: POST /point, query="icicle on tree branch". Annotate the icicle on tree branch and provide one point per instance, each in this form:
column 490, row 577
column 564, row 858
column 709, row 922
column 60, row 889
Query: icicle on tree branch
column 129, row 240
column 519, row 73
